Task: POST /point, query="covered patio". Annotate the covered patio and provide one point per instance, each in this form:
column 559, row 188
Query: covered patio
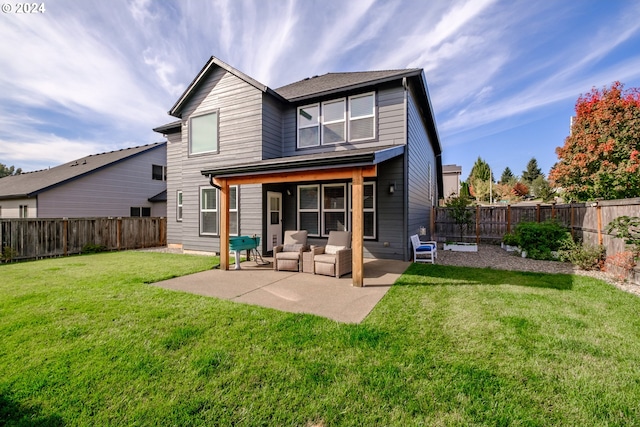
column 296, row 292
column 351, row 165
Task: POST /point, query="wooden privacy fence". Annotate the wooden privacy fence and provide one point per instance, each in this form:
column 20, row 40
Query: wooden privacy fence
column 586, row 221
column 49, row 237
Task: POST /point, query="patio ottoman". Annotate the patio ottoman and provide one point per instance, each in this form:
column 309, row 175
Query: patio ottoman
column 288, row 261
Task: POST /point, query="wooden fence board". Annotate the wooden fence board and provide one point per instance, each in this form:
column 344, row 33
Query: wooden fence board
column 586, row 221
column 40, row 238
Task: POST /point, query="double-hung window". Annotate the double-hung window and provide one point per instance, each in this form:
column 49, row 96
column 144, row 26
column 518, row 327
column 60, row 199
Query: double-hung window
column 309, row 209
column 334, row 208
column 337, row 120
column 334, row 128
column 369, row 208
column 179, row 205
column 309, row 126
column 362, row 117
column 233, row 211
column 203, row 133
column 208, row 211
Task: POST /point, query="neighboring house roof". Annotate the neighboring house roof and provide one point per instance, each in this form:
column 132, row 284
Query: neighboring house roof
column 160, row 197
column 30, row 184
column 330, row 83
column 452, row 169
column 334, row 159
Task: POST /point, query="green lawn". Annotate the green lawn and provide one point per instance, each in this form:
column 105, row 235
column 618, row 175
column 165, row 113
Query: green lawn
column 86, row 341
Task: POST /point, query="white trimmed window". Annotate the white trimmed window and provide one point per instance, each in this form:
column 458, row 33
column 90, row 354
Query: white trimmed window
column 334, row 208
column 309, row 209
column 158, row 172
column 334, row 123
column 233, row 211
column 362, row 117
column 24, row 211
column 208, row 211
column 369, row 211
column 203, row 133
column 309, row 126
column 179, row 205
column 337, row 121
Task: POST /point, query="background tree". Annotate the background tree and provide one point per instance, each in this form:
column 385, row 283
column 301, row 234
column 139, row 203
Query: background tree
column 532, row 171
column 8, row 170
column 507, row 176
column 601, row 156
column 479, row 180
column 541, row 188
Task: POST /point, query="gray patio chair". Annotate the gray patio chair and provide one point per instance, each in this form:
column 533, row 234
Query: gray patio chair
column 288, row 256
column 334, row 259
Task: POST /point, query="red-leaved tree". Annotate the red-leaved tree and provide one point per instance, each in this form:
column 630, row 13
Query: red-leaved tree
column 601, row 157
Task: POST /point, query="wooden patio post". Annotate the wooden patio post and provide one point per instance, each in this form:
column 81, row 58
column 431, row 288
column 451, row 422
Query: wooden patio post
column 357, row 250
column 224, row 224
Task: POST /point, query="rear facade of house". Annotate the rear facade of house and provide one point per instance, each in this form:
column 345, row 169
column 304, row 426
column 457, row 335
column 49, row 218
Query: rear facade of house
column 232, row 126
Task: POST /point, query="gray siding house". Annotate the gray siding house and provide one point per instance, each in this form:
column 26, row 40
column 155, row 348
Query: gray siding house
column 352, row 151
column 127, row 182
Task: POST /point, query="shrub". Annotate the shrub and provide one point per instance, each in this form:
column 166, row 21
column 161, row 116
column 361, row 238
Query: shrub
column 8, row 253
column 460, row 212
column 510, row 239
column 539, row 240
column 627, row 228
column 92, row 248
column 585, row 257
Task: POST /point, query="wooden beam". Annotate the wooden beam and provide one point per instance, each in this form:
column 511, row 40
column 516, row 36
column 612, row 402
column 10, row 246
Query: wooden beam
column 357, row 232
column 224, row 224
column 297, row 176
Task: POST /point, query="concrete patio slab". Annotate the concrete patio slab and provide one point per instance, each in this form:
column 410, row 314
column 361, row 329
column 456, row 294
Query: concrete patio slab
column 295, row 292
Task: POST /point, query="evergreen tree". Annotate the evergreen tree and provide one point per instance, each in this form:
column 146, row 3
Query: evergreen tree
column 507, row 176
column 532, row 171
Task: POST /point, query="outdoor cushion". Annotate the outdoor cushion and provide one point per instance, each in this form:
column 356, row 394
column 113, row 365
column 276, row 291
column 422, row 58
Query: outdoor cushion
column 292, row 247
column 424, row 248
column 288, row 255
column 332, row 249
column 325, row 258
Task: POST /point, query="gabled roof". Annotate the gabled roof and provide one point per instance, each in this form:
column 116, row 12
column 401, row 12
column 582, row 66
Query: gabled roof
column 330, row 83
column 31, row 183
column 213, row 62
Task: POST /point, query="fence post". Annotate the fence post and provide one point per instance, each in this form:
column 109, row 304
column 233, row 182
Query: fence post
column 599, row 213
column 508, row 218
column 538, row 212
column 119, row 232
column 65, row 235
column 477, row 224
column 573, row 232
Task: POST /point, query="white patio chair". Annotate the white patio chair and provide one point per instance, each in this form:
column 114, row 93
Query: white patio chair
column 424, row 251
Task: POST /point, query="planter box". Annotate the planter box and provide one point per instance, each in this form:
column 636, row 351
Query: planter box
column 461, row 247
column 509, row 248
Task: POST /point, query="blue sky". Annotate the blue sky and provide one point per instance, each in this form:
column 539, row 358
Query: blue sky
column 87, row 76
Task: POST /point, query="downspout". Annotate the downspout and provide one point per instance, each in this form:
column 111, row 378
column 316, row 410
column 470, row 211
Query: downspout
column 405, row 193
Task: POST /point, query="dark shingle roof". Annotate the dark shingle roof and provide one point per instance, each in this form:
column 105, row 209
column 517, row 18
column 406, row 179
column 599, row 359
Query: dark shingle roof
column 31, row 183
column 334, row 82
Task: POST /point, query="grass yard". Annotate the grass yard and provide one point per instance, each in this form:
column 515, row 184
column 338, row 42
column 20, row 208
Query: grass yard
column 85, row 341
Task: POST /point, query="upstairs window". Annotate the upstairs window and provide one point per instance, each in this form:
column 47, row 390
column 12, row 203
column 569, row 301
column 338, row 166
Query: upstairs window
column 334, row 127
column 309, row 126
column 158, row 172
column 337, row 121
column 140, row 211
column 203, row 133
column 362, row 117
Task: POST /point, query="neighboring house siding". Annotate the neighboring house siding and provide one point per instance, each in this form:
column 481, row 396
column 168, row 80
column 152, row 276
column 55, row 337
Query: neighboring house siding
column 11, row 207
column 421, row 171
column 111, row 191
column 240, row 135
column 389, row 130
